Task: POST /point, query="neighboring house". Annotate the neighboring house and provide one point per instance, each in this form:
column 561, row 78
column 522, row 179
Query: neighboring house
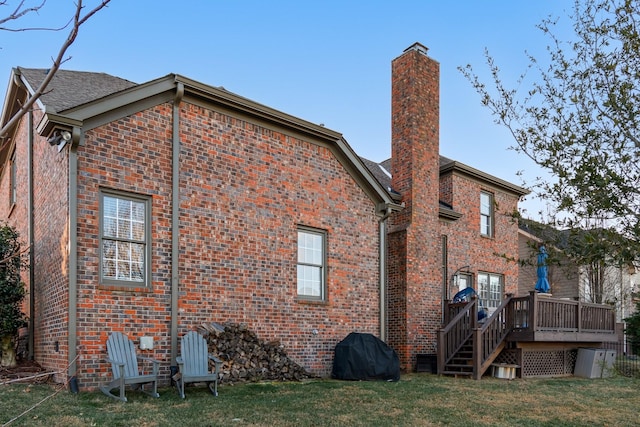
column 567, row 278
column 152, row 208
column 562, row 273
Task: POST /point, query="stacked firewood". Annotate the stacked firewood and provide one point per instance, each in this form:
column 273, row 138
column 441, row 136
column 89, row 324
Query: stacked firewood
column 246, row 358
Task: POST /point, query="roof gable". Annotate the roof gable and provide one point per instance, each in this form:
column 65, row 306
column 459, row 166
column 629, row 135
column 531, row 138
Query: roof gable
column 84, row 100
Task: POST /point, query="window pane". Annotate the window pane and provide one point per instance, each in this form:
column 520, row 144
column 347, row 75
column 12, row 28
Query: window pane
column 485, row 225
column 109, row 268
column 485, row 204
column 137, row 211
column 137, row 230
column 124, row 272
column 110, row 207
column 124, row 229
column 136, row 271
column 137, row 253
column 110, row 227
column 309, row 280
column 124, row 209
column 108, row 249
column 309, row 248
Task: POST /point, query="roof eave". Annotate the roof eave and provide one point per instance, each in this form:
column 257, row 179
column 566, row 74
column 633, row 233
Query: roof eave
column 164, row 88
column 455, row 166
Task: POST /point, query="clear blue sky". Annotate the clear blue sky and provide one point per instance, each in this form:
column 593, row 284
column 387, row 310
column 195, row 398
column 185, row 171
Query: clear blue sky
column 323, row 61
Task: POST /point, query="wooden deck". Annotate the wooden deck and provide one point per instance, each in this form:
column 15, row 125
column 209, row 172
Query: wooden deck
column 468, row 347
column 537, row 317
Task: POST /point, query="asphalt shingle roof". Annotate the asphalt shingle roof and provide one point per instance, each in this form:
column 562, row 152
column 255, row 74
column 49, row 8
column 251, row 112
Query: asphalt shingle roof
column 69, row 89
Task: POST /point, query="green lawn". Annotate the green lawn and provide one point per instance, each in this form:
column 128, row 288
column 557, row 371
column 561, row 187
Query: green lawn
column 416, row 400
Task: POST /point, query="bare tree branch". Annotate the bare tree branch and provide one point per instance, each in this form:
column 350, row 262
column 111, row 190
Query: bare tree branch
column 20, row 12
column 78, row 20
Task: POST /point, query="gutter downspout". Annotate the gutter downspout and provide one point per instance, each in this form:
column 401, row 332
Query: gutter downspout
column 175, row 224
column 73, row 254
column 32, row 297
column 382, row 224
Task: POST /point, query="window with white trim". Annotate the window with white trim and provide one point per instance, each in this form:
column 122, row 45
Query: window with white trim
column 490, row 290
column 125, row 239
column 486, row 214
column 311, row 263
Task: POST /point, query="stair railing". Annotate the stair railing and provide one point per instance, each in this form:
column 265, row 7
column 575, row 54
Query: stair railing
column 457, row 331
column 489, row 338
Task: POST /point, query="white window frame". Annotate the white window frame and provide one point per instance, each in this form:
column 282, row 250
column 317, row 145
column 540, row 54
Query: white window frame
column 490, row 289
column 486, row 214
column 119, row 250
column 311, row 264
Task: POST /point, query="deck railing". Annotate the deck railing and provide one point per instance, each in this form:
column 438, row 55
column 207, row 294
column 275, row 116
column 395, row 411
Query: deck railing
column 539, row 313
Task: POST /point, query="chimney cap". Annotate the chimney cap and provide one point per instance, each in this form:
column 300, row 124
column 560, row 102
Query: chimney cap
column 418, row 47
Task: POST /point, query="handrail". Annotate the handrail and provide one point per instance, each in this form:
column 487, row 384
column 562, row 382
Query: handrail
column 491, row 335
column 453, row 336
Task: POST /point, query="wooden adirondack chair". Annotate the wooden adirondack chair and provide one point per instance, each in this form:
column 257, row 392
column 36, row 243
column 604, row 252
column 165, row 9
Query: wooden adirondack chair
column 124, row 365
column 193, row 363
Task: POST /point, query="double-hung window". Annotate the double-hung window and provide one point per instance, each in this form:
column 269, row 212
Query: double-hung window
column 486, row 214
column 490, row 290
column 311, row 263
column 125, row 239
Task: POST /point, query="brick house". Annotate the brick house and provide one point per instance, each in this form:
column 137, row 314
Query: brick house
column 266, row 201
column 278, row 223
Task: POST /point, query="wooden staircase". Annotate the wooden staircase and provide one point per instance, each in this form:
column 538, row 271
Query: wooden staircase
column 461, row 364
column 466, row 347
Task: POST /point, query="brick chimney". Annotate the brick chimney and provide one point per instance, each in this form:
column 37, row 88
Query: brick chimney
column 414, row 310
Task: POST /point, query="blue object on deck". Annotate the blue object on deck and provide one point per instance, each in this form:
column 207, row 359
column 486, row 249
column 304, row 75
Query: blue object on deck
column 465, row 295
column 542, row 284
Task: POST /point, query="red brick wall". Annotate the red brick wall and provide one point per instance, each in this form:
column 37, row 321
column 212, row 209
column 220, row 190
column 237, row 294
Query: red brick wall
column 244, row 190
column 466, row 246
column 50, row 241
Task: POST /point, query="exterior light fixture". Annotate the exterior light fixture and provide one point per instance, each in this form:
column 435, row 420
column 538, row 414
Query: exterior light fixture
column 58, row 137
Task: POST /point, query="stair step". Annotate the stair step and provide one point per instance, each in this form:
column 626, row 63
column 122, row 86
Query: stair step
column 458, row 373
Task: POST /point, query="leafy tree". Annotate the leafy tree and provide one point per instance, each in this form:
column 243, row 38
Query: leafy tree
column 23, row 8
column 578, row 116
column 633, row 330
column 12, row 292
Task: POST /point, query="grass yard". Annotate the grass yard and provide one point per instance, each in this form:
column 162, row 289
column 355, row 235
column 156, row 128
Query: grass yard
column 415, row 400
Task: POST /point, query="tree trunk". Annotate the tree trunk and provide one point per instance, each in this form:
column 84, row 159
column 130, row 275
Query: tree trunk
column 8, row 352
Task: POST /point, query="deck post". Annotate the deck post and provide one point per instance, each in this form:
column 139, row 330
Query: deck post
column 477, row 352
column 440, row 353
column 533, row 310
column 579, row 319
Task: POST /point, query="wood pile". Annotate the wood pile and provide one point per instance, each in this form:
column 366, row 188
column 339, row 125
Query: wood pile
column 246, row 358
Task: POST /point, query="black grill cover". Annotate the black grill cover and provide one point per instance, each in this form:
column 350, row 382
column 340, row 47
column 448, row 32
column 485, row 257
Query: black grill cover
column 365, row 357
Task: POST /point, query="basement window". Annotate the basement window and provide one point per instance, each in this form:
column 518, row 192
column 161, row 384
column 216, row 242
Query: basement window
column 125, row 246
column 312, row 263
